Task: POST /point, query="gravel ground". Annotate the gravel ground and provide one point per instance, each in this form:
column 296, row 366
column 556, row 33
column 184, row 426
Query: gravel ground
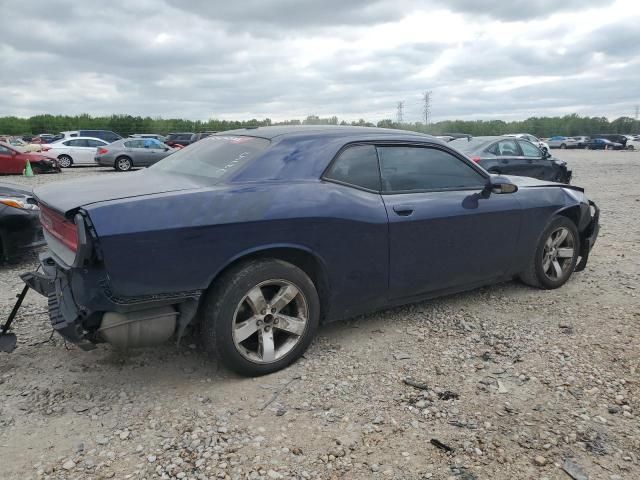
column 518, row 383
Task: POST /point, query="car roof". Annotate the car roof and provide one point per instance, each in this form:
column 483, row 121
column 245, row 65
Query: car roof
column 324, row 130
column 79, row 138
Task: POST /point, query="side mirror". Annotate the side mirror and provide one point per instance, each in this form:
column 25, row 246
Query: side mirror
column 546, row 154
column 500, row 185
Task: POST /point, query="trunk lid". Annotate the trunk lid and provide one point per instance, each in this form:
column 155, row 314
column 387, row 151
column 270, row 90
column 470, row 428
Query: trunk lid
column 70, row 195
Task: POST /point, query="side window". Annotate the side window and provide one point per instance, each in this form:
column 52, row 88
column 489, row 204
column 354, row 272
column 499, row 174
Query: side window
column 76, row 143
column 406, row 169
column 134, row 144
column 508, row 148
column 530, row 150
column 95, row 143
column 357, row 165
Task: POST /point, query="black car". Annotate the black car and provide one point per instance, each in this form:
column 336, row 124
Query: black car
column 513, row 156
column 603, row 144
column 612, row 137
column 19, row 221
column 183, row 139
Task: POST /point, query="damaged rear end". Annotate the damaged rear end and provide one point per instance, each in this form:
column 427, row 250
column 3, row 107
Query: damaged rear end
column 82, row 307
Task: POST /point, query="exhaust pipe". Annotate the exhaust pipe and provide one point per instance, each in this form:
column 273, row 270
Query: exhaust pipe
column 142, row 328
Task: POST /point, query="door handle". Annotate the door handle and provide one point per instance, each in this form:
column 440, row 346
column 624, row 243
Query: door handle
column 403, row 210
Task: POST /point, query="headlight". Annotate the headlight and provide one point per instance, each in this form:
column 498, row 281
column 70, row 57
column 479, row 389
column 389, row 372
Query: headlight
column 18, row 203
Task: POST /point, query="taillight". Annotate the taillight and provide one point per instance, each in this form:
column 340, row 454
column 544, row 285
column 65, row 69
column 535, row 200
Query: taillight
column 60, row 228
column 475, row 159
column 102, row 151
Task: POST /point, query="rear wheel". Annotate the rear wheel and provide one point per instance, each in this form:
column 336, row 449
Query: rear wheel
column 260, row 316
column 555, row 257
column 630, row 147
column 563, row 146
column 65, row 161
column 123, row 164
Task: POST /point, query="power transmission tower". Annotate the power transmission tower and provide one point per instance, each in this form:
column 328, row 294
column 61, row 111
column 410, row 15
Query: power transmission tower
column 427, row 108
column 400, row 112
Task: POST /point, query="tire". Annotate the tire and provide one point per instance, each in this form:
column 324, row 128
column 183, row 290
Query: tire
column 631, row 147
column 123, row 164
column 545, row 275
column 235, row 329
column 563, row 146
column 65, row 161
column 544, row 150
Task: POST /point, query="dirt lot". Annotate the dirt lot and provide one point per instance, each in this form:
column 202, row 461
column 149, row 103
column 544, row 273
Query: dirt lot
column 520, row 383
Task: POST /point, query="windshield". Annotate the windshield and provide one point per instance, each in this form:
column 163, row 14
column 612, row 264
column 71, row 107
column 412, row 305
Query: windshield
column 214, row 156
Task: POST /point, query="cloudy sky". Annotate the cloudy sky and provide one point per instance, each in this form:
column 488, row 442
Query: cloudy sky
column 286, row 59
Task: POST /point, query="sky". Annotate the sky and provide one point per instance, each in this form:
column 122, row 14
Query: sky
column 286, row 59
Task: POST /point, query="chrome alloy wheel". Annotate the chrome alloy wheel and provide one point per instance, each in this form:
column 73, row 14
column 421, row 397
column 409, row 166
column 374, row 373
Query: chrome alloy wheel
column 269, row 321
column 557, row 256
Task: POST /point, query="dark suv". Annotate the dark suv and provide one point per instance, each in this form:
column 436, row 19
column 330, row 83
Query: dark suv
column 183, row 139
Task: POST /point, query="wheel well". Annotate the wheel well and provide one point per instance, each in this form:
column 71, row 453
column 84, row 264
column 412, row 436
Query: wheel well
column 572, row 213
column 302, row 259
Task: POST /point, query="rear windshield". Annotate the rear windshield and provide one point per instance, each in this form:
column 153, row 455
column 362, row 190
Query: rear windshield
column 214, row 156
column 468, row 145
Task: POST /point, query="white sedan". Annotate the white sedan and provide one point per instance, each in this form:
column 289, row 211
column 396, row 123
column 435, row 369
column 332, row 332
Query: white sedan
column 74, row 151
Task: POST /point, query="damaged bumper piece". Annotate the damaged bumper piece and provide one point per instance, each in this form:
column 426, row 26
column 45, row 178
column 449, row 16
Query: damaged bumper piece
column 136, row 323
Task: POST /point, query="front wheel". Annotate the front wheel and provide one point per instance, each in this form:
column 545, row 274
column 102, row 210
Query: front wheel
column 260, row 316
column 630, row 147
column 555, row 257
column 563, row 146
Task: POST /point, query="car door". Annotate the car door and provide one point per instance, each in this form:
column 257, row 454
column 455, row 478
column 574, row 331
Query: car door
column 445, row 230
column 536, row 164
column 10, row 161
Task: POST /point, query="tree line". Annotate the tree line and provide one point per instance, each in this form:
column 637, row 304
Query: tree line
column 567, row 125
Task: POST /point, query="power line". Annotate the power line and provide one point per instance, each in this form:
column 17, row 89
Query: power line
column 427, row 108
column 399, row 114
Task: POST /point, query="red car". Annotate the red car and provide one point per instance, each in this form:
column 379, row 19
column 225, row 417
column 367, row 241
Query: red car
column 13, row 161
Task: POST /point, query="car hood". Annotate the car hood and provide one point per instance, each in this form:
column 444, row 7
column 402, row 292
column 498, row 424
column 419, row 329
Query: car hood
column 70, row 195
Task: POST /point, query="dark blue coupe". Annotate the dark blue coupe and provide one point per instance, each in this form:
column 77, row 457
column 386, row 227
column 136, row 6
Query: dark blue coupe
column 254, row 237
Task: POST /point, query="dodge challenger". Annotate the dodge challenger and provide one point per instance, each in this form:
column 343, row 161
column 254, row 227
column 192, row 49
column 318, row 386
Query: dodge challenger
column 250, row 239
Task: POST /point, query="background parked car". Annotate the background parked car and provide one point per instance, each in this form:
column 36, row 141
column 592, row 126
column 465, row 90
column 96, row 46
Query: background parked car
column 513, row 156
column 183, row 139
column 125, row 154
column 582, row 140
column 603, row 144
column 13, row 161
column 106, row 135
column 613, row 137
column 632, row 143
column 19, row 221
column 75, row 151
column 199, row 136
column 562, row 142
column 531, row 138
column 157, row 136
